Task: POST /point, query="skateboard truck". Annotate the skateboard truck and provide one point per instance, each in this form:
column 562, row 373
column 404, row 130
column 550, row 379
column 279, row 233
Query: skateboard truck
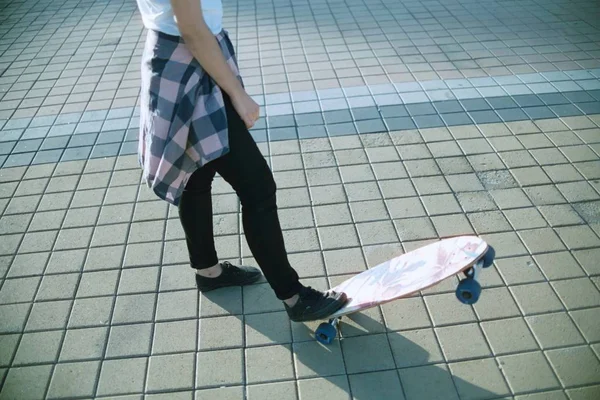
column 327, row 331
column 469, row 289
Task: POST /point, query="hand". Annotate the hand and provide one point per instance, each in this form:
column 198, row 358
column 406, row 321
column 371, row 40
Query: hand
column 247, row 108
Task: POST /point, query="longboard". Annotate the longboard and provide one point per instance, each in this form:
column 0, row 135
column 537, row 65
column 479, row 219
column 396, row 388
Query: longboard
column 410, row 273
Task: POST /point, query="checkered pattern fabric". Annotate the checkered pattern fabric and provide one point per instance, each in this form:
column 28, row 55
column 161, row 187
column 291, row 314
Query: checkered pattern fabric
column 177, row 95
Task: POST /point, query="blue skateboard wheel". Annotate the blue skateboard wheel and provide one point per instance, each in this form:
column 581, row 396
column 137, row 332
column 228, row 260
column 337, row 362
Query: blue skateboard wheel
column 325, row 333
column 468, row 291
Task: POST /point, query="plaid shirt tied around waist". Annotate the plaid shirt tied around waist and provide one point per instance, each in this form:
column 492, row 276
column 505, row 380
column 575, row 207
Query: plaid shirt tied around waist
column 176, row 95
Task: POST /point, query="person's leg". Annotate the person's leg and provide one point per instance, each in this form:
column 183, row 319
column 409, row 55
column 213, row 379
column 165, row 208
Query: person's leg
column 195, row 214
column 247, row 171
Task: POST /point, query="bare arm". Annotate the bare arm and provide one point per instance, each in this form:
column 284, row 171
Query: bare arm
column 203, row 46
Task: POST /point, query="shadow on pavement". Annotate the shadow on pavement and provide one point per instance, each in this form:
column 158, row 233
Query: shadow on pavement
column 367, row 362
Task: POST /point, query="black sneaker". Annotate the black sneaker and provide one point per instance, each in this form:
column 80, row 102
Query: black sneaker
column 314, row 305
column 231, row 276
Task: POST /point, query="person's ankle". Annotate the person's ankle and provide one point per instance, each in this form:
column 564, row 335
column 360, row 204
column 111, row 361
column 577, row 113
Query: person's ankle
column 291, row 302
column 211, row 272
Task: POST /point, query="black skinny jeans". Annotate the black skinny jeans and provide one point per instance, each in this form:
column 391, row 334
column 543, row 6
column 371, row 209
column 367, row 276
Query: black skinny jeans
column 246, row 170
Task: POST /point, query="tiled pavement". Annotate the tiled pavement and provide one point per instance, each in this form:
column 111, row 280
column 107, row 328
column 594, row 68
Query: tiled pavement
column 389, row 124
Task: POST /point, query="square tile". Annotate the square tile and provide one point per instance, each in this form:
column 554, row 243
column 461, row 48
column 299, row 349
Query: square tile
column 577, row 293
column 73, row 379
column 508, row 336
column 279, row 390
column 134, row 308
column 19, row 290
column 313, row 360
column 428, row 382
column 587, row 322
column 583, row 393
column 516, row 270
column 440, row 204
column 376, row 345
column 406, row 313
column 415, row 229
column 269, row 363
column 91, row 312
column 554, row 330
column 456, row 348
column 536, row 298
column 544, row 195
column 221, row 393
column 379, row 385
column 421, row 167
column 541, row 240
column 14, row 317
column 102, row 258
column 8, row 346
column 37, row 241
column 122, row 376
column 334, row 388
column 338, row 236
column 27, row 264
column 452, row 225
column 58, row 287
column 138, row 280
column 578, row 237
column 129, row 340
column 497, row 303
column 366, row 322
column 464, row 183
column 26, row 382
column 38, row 347
column 82, row 344
column 476, row 201
column 575, row 366
column 170, row 372
column 107, row 235
column 525, row 218
column 405, row 207
column 488, row 222
column 138, row 254
column 528, row 372
column 220, row 333
column 559, row 265
column 227, row 301
column 577, row 191
column 415, row 348
column 376, row 232
column 362, row 191
column 344, row 261
column 389, row 170
column 445, row 310
column 177, row 305
column 431, row 185
column 260, row 298
column 267, row 328
column 479, row 379
column 369, row 211
column 100, row 283
column 176, row 336
column 48, row 315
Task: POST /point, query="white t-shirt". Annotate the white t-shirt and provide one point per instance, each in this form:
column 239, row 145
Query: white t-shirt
column 158, row 15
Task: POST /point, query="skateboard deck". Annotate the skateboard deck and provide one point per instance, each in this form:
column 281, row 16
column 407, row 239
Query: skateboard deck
column 410, row 273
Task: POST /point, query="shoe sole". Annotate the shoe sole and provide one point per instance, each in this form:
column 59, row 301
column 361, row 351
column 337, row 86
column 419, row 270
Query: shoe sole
column 325, row 312
column 224, row 284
